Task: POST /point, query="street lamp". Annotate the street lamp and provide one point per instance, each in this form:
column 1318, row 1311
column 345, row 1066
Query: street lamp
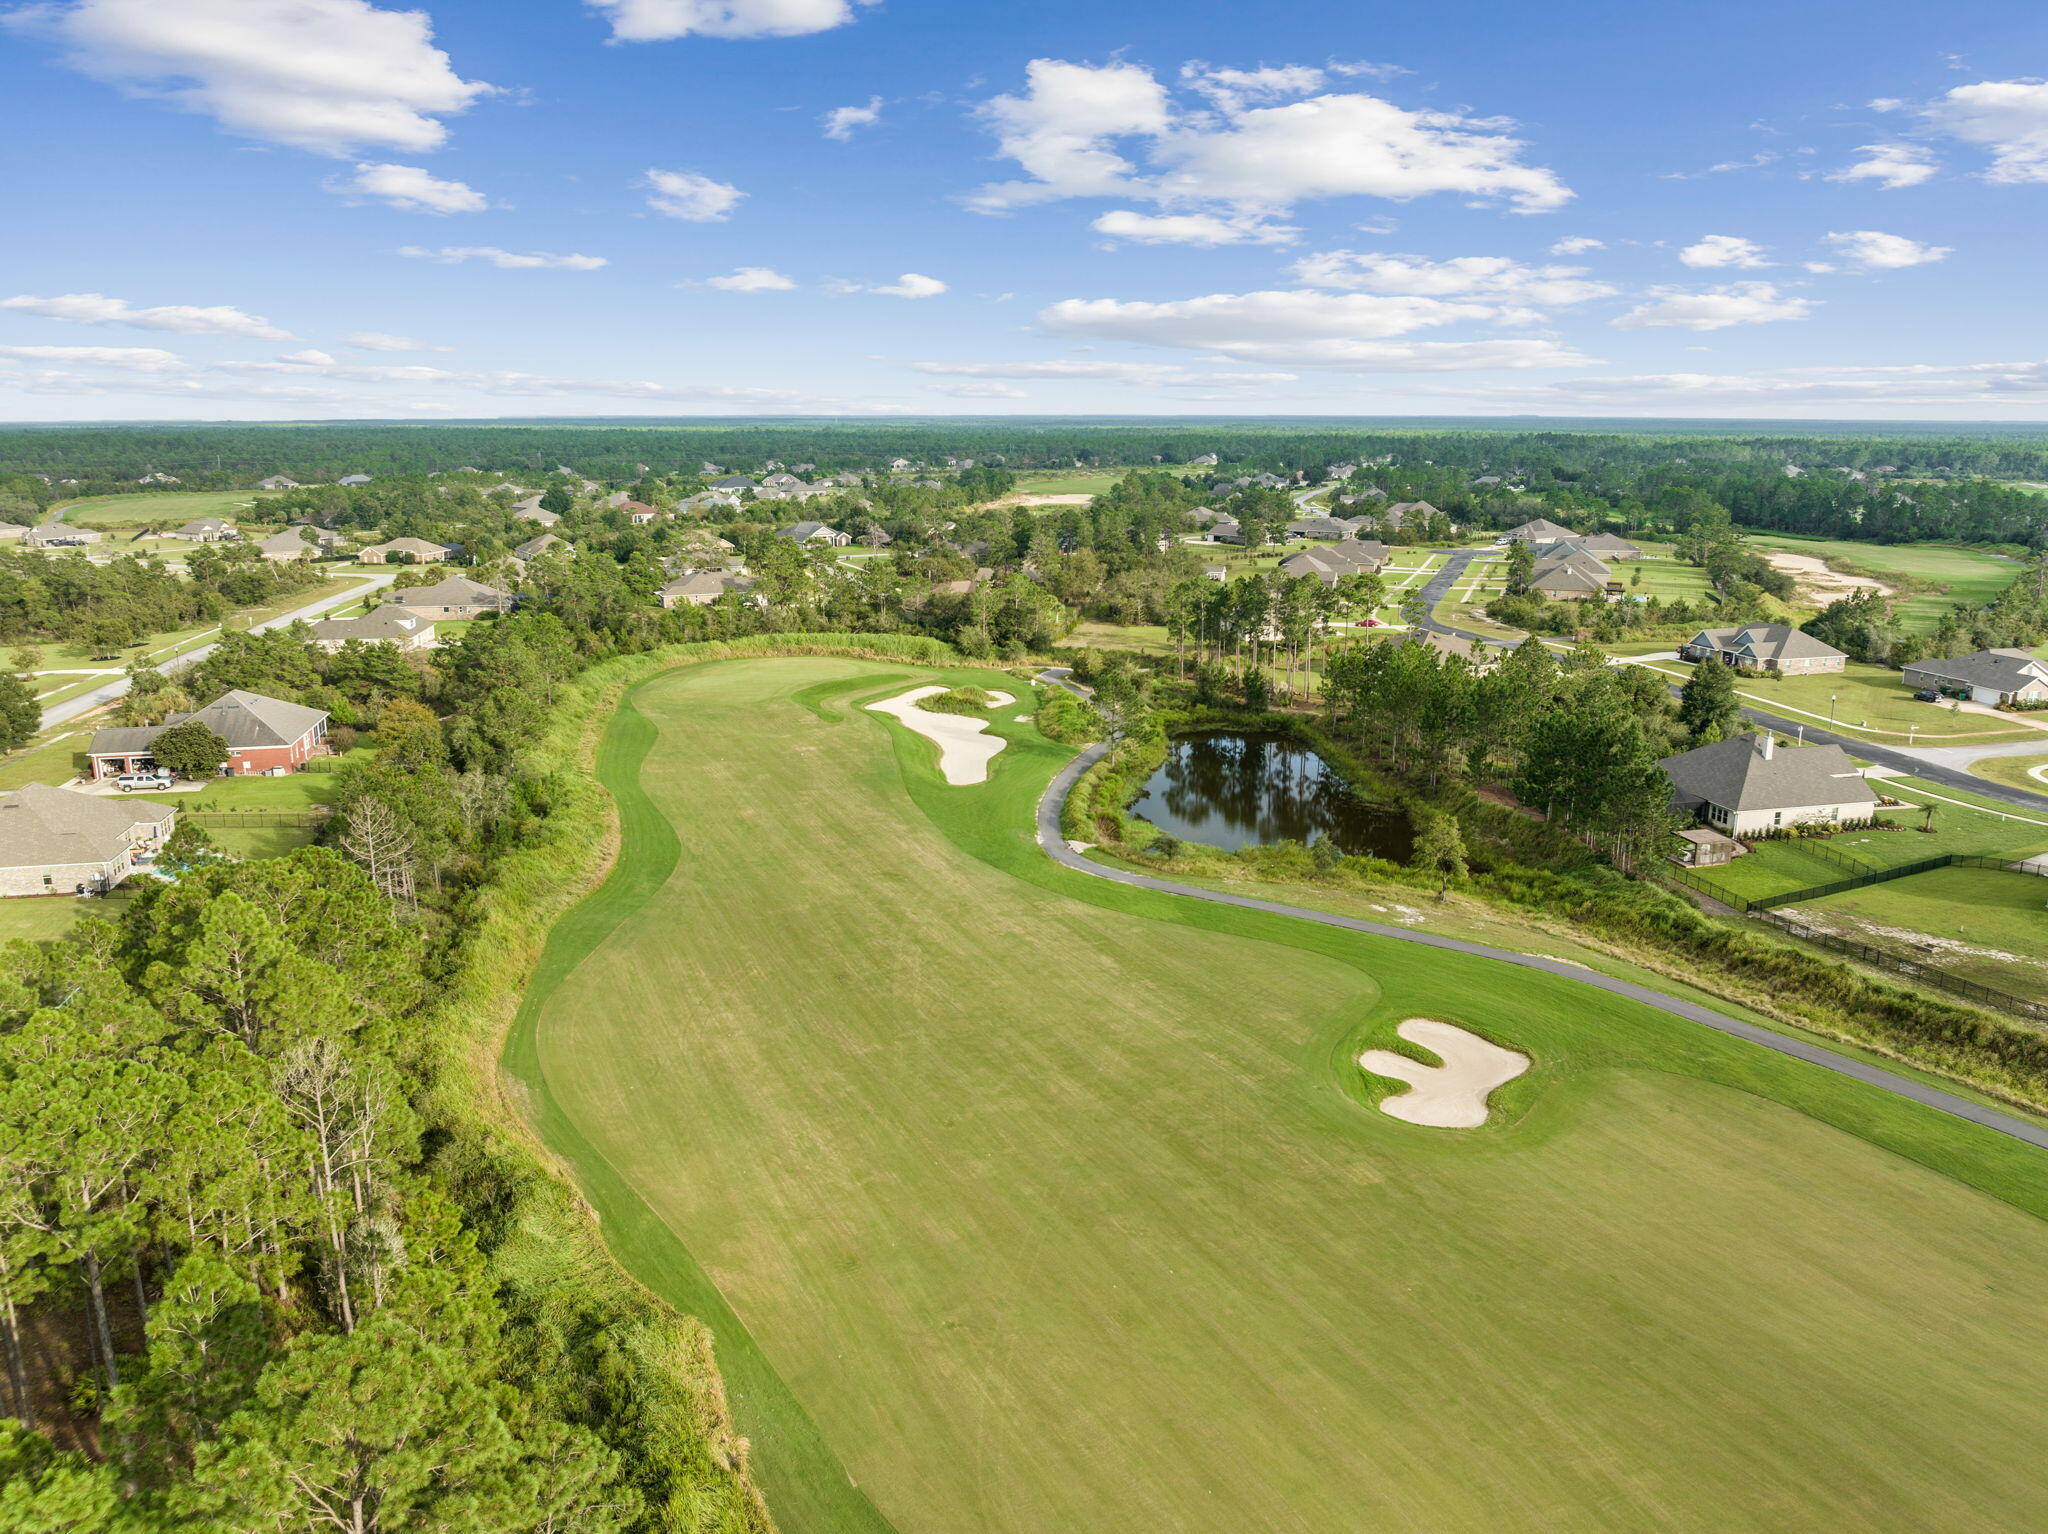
column 1831, row 708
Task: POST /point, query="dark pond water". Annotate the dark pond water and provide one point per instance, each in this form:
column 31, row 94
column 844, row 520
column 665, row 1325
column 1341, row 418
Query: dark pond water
column 1235, row 791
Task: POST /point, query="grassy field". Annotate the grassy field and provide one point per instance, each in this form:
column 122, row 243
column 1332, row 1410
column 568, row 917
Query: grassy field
column 40, row 918
column 1941, row 574
column 1974, row 828
column 1982, row 924
column 179, row 506
column 1067, row 482
column 1870, row 701
column 2014, row 771
column 1021, row 1201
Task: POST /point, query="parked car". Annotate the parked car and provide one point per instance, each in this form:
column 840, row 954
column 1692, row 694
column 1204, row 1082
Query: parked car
column 1927, row 695
column 159, row 778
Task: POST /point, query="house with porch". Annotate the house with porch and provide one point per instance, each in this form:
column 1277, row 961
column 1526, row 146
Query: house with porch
column 264, row 735
column 1764, row 647
column 452, row 600
column 1749, row 785
column 386, row 625
column 56, row 841
column 400, row 551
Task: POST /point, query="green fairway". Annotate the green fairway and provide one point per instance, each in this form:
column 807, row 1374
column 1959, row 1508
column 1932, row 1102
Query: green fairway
column 1030, row 1202
column 1939, row 574
column 174, row 506
column 1982, row 924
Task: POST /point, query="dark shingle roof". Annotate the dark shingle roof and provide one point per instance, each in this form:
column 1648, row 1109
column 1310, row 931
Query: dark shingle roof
column 1736, row 775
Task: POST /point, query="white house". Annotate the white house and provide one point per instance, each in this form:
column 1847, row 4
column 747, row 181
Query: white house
column 1992, row 676
column 1748, row 786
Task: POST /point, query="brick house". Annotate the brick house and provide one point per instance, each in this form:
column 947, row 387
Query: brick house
column 54, row 841
column 263, row 735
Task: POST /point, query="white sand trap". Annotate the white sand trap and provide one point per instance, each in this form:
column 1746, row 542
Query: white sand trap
column 1000, row 700
column 1814, row 578
column 1448, row 1096
column 965, row 749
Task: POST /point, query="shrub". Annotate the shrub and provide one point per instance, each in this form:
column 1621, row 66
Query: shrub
column 1069, row 720
column 958, row 700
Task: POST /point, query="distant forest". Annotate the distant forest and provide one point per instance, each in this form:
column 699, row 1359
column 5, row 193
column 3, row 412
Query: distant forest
column 1881, row 483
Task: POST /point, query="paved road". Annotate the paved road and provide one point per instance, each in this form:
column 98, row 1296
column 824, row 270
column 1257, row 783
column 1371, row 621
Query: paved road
column 1053, row 840
column 1945, row 765
column 99, row 697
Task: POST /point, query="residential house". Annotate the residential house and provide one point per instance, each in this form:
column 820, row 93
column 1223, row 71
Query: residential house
column 1206, row 461
column 56, row 535
column 353, row 480
column 421, row 552
column 456, row 598
column 702, row 588
column 1610, row 546
column 813, row 532
column 292, row 543
column 1400, row 513
column 391, row 625
column 1764, row 647
column 1567, row 577
column 56, row 841
column 1992, row 676
column 1748, row 786
column 639, row 513
column 277, row 482
column 1481, row 655
column 1225, row 531
column 534, row 514
column 12, row 530
column 1542, row 530
column 1330, row 563
column 206, row 530
column 264, row 735
column 1320, row 527
column 533, row 548
column 734, row 483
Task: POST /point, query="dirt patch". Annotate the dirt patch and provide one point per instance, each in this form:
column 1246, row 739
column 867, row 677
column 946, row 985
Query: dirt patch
column 1925, row 945
column 1820, row 583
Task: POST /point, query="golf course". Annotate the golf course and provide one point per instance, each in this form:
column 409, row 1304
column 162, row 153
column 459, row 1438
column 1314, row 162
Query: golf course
column 1023, row 1202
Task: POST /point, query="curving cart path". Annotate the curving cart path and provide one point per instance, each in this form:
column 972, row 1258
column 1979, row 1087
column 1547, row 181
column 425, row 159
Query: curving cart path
column 1051, row 839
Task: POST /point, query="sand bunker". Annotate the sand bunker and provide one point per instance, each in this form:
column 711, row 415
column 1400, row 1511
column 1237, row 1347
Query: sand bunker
column 1815, row 579
column 965, row 747
column 1448, row 1096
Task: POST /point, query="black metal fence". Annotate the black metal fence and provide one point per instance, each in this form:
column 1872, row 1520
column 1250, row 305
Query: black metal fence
column 258, row 820
column 1913, row 969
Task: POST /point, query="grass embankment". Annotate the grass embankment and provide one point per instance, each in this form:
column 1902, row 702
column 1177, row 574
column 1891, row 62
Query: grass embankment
column 1059, row 1204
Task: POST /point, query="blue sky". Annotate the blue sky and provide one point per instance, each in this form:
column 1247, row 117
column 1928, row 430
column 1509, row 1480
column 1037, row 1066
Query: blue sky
column 295, row 209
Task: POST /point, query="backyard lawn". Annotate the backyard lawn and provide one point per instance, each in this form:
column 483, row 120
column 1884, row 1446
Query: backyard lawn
column 40, row 918
column 1051, row 1204
column 1981, row 924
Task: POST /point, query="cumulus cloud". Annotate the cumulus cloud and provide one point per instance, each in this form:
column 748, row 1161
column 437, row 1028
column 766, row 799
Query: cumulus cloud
column 329, row 76
column 1577, row 245
column 1874, row 251
column 1080, row 130
column 185, row 319
column 309, row 355
column 511, row 260
column 1348, row 330
column 1891, row 166
column 1485, row 276
column 2007, row 117
column 978, row 391
column 752, row 279
column 1967, row 385
column 1153, row 374
column 412, row 189
column 653, row 21
column 1207, row 229
column 1724, row 250
column 129, row 359
column 840, row 122
column 695, row 198
column 383, row 341
column 1739, row 303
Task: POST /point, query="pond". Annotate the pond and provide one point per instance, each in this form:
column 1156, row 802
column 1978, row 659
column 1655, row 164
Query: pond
column 1251, row 790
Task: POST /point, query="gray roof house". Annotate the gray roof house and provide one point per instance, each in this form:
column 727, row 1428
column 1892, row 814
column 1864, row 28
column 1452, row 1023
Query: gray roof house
column 353, row 479
column 533, row 548
column 206, row 530
column 422, row 552
column 1992, row 676
column 296, row 543
column 813, row 532
column 54, row 841
column 1542, row 530
column 384, row 625
column 277, row 482
column 1330, row 563
column 1749, row 785
column 734, row 482
column 1764, row 647
column 704, row 587
column 262, row 733
column 456, row 598
column 1320, row 527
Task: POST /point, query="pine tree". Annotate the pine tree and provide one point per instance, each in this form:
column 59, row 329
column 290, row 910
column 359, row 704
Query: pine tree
column 1707, row 704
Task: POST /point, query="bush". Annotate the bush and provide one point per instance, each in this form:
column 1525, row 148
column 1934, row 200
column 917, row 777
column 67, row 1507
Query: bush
column 958, row 700
column 1069, row 720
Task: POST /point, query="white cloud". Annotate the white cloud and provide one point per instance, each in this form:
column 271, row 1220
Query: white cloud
column 687, row 195
column 383, row 341
column 1891, row 166
column 1885, row 388
column 1885, row 252
column 1075, row 126
column 1576, row 245
column 1739, row 303
column 128, row 359
column 1150, row 374
column 1724, row 250
column 752, row 279
column 650, row 21
column 1205, row 229
column 909, row 285
column 310, row 356
column 412, row 189
column 1307, row 329
column 841, row 121
column 454, row 255
column 1233, row 89
column 1484, row 276
column 323, row 75
column 185, row 319
column 2008, row 117
column 978, row 391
